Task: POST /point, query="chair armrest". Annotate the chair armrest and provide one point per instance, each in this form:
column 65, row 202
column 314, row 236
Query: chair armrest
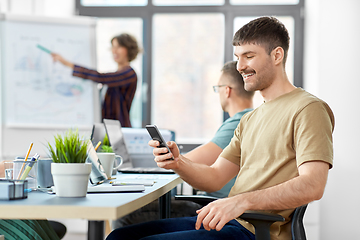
column 261, row 216
column 248, row 215
column 260, row 220
column 199, row 199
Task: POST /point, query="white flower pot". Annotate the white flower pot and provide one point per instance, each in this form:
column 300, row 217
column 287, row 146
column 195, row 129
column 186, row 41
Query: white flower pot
column 71, row 179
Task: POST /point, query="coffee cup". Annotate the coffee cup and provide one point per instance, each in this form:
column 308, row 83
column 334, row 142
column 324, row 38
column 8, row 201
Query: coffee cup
column 109, row 162
column 44, row 176
column 9, row 168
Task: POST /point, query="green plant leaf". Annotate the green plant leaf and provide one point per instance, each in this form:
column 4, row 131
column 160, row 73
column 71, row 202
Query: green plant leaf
column 106, row 148
column 106, row 141
column 69, row 148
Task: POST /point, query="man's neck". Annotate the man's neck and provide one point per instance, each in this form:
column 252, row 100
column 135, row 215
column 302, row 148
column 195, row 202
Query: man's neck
column 279, row 87
column 239, row 106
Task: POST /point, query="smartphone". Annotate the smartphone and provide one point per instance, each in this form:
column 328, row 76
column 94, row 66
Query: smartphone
column 156, row 135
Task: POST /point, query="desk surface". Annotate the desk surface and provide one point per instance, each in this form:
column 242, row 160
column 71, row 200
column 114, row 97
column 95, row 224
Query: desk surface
column 95, row 206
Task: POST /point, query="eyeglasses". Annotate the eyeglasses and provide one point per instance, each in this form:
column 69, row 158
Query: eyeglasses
column 216, row 87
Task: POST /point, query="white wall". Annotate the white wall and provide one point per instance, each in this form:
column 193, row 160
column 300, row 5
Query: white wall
column 332, row 48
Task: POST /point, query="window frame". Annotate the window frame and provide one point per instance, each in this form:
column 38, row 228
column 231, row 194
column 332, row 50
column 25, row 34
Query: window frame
column 230, row 13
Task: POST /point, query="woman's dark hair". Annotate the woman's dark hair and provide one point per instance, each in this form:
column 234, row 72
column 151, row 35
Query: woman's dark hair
column 129, row 42
column 268, row 32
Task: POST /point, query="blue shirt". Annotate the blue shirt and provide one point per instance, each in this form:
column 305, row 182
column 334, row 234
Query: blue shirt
column 222, row 138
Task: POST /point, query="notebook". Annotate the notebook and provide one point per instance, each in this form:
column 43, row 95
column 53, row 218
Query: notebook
column 107, row 188
column 155, row 170
column 118, row 143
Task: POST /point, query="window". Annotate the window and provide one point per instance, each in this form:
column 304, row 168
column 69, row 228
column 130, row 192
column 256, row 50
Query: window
column 186, row 42
column 187, row 2
column 263, row 2
column 184, row 71
column 114, row 2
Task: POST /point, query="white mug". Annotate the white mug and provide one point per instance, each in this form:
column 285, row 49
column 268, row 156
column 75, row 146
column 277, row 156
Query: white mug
column 108, row 163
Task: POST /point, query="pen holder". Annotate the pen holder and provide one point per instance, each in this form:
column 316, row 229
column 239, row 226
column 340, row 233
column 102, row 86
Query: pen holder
column 13, row 189
column 31, row 177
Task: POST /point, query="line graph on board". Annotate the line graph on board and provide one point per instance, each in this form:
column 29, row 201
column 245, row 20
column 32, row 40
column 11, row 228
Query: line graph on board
column 39, row 91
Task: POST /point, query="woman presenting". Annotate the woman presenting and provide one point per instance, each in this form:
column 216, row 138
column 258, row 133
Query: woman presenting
column 121, row 84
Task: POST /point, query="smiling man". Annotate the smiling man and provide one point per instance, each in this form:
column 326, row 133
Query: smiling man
column 281, row 152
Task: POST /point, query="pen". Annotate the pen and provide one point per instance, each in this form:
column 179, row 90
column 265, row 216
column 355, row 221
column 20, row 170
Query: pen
column 97, row 145
column 43, row 48
column 29, row 166
column 26, row 157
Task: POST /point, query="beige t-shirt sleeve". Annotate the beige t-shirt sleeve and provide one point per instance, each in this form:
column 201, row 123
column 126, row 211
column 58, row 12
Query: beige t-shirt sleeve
column 313, row 134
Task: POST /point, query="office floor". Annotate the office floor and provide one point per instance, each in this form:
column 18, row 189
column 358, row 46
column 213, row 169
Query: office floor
column 75, row 236
column 76, row 228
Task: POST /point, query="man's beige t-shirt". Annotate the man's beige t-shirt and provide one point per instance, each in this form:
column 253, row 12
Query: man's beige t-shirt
column 273, row 140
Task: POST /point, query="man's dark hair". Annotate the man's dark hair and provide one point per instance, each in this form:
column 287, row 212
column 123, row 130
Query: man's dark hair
column 129, row 42
column 268, row 32
column 236, row 81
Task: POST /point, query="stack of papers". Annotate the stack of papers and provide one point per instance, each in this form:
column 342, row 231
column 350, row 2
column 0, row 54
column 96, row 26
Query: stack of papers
column 111, row 189
column 133, row 182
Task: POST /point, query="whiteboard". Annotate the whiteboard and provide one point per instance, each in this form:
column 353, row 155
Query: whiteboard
column 37, row 91
column 39, row 98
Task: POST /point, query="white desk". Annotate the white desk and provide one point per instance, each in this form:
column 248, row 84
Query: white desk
column 95, row 207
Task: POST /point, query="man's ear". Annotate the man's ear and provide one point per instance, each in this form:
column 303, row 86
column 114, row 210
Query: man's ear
column 278, row 55
column 227, row 91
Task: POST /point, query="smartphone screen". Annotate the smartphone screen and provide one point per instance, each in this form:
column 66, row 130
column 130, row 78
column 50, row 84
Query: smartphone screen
column 156, row 135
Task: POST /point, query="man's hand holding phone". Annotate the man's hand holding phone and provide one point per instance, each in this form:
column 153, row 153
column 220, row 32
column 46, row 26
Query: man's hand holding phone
column 162, row 155
column 162, row 151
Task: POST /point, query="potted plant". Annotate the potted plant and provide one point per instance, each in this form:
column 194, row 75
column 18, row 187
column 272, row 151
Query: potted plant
column 106, row 151
column 69, row 168
column 105, row 146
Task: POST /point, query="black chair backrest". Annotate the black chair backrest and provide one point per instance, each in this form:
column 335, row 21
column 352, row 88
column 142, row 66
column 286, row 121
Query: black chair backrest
column 297, row 226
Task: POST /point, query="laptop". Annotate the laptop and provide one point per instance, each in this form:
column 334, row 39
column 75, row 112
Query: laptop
column 98, row 134
column 97, row 174
column 137, row 161
column 117, row 140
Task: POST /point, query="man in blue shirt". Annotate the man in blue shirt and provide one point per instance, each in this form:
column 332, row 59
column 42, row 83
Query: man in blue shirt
column 234, row 100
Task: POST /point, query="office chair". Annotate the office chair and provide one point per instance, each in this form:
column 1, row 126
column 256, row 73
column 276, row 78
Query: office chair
column 260, row 220
column 59, row 228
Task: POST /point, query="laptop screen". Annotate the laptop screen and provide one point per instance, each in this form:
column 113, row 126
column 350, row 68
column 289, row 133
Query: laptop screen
column 116, row 138
column 98, row 133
